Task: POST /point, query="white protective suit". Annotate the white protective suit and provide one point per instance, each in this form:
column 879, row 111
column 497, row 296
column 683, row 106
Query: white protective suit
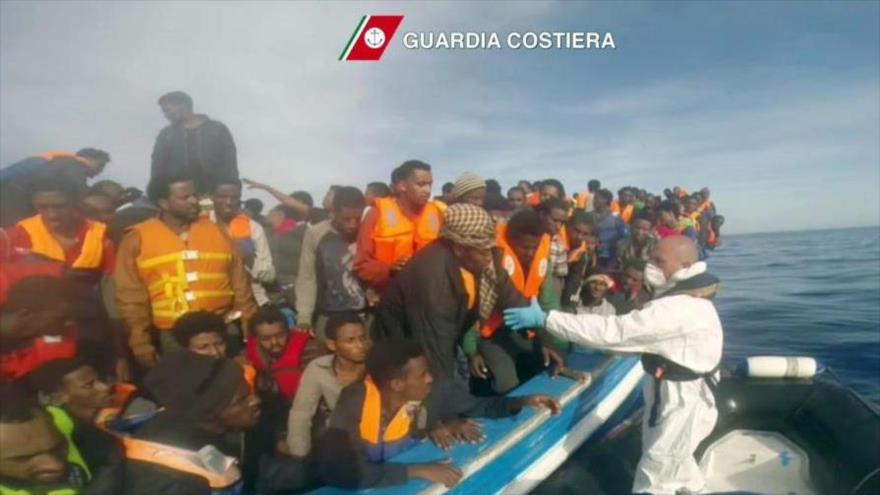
column 686, row 330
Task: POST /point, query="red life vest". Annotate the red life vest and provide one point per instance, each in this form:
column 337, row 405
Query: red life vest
column 287, row 370
column 16, row 265
column 18, row 363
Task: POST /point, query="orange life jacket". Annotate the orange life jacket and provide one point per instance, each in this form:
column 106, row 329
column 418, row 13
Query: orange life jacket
column 44, row 244
column 182, row 460
column 395, row 438
column 240, row 227
column 397, row 236
column 533, row 199
column 250, row 377
column 527, row 285
column 470, row 288
column 584, row 199
column 173, row 458
column 121, row 395
column 563, row 238
column 625, row 213
column 184, row 277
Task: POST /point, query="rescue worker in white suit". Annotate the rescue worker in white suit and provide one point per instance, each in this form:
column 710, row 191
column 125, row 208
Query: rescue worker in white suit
column 679, row 336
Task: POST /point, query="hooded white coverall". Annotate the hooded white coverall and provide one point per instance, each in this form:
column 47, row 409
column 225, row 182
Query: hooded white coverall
column 686, row 330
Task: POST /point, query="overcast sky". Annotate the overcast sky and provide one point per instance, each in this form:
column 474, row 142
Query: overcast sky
column 775, row 106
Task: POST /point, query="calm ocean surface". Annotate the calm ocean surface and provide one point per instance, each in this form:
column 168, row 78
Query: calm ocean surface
column 813, row 293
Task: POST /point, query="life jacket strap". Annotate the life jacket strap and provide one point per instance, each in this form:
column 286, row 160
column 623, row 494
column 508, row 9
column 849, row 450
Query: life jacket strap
column 661, row 368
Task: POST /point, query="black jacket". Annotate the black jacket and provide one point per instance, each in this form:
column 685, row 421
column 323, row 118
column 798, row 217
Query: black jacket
column 427, row 302
column 209, row 153
column 142, row 478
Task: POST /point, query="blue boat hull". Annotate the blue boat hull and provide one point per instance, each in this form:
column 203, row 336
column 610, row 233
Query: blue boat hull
column 520, row 451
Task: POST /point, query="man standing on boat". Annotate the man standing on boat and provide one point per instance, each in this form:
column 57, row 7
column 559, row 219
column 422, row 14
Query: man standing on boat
column 679, row 336
column 192, row 145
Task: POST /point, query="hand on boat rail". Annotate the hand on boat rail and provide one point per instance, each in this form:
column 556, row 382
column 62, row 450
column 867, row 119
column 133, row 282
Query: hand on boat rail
column 448, row 433
column 439, row 472
column 538, row 402
column 578, row 376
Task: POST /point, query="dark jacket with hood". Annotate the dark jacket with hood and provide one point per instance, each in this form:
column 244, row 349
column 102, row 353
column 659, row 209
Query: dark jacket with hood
column 427, row 302
column 204, row 153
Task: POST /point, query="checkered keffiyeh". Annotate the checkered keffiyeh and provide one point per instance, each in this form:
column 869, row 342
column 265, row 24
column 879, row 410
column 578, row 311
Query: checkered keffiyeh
column 472, row 226
column 469, row 225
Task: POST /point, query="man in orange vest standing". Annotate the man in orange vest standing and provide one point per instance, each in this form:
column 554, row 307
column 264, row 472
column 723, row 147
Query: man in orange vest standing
column 398, row 227
column 174, row 264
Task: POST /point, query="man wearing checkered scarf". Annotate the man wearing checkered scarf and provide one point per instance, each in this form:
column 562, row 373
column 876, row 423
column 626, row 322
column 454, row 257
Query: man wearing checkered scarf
column 445, row 288
column 442, row 292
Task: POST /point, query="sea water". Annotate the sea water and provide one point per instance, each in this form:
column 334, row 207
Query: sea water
column 811, row 293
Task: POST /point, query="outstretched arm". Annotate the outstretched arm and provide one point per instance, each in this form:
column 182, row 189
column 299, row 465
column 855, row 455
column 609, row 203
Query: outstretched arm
column 284, row 199
column 638, row 331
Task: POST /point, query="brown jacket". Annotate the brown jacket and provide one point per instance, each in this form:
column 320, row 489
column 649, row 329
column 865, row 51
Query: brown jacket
column 133, row 298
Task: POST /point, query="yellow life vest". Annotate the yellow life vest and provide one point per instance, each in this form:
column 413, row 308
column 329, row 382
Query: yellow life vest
column 184, row 277
column 64, row 423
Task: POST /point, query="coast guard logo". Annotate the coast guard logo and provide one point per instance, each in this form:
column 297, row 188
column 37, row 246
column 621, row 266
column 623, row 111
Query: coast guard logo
column 371, row 37
column 542, row 268
column 375, row 38
column 509, row 265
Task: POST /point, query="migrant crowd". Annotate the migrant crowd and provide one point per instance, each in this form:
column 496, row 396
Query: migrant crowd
column 178, row 340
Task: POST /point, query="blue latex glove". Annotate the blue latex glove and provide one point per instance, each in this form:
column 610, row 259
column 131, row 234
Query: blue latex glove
column 525, row 318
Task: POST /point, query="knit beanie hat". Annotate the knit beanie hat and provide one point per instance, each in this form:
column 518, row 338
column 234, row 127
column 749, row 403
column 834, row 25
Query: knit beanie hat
column 466, row 183
column 194, row 387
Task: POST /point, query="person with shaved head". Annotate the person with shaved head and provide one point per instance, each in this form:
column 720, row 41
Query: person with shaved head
column 679, row 337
